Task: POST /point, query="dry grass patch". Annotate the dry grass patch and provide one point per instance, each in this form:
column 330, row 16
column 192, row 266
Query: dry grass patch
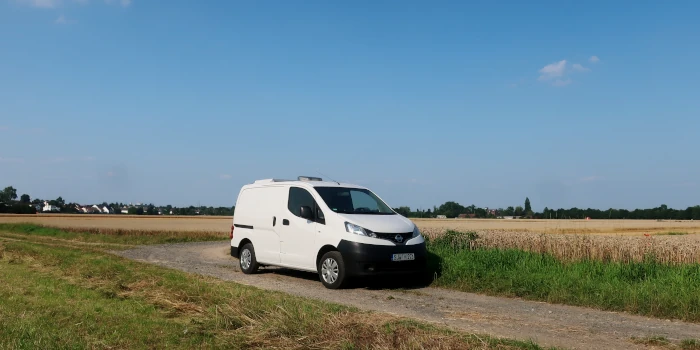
column 55, row 297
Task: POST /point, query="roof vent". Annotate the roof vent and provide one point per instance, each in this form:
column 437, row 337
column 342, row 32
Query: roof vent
column 309, row 178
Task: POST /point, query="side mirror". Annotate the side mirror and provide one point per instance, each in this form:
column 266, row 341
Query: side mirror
column 306, row 213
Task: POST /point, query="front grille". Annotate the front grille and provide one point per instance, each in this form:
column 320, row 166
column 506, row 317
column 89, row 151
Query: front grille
column 392, row 236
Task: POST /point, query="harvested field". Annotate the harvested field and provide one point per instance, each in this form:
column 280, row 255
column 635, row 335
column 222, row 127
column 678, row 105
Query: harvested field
column 126, row 222
column 589, row 227
column 429, row 226
column 615, row 240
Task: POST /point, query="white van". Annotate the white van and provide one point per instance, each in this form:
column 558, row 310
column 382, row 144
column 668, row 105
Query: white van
column 338, row 230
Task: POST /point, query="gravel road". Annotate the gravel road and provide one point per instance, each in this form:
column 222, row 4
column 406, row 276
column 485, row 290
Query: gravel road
column 546, row 324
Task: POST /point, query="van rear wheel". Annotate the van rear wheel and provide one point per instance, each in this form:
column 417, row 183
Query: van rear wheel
column 247, row 261
column 331, row 270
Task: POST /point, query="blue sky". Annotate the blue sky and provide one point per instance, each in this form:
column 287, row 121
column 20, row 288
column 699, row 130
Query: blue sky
column 588, row 104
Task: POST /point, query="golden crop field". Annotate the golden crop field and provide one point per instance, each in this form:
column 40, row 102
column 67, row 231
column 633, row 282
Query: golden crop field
column 619, row 240
column 429, row 226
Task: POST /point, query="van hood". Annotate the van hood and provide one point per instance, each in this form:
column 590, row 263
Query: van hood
column 380, row 223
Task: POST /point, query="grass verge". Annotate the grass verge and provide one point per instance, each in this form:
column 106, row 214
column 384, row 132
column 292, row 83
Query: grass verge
column 660, row 342
column 647, row 288
column 113, row 236
column 58, row 297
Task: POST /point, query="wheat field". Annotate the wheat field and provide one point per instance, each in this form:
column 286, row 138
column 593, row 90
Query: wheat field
column 610, row 240
column 429, row 226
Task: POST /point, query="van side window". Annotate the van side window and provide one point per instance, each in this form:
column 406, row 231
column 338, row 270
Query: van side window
column 299, row 197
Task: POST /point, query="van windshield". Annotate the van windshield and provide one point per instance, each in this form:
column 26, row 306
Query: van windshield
column 353, row 201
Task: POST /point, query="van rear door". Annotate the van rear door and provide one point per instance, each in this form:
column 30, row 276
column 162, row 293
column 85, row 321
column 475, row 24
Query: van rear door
column 259, row 207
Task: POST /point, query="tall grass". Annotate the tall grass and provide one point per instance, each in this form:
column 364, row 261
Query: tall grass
column 670, row 248
column 647, row 287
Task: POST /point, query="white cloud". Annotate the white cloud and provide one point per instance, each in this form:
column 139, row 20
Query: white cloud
column 553, row 70
column 579, row 68
column 594, row 59
column 557, row 73
column 225, row 177
column 61, row 20
column 45, row 4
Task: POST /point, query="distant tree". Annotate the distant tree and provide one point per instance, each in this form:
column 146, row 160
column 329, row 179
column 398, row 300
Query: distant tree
column 8, row 194
column 451, row 209
column 510, row 211
column 135, row 211
column 519, row 211
column 528, row 208
column 151, row 210
column 60, row 202
column 25, row 199
column 405, row 211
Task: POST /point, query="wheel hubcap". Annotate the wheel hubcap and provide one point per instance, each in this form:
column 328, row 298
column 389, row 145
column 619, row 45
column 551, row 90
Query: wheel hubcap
column 329, row 271
column 246, row 258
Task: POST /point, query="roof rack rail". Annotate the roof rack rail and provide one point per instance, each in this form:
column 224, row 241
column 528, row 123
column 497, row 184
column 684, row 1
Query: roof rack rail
column 309, row 178
column 271, row 180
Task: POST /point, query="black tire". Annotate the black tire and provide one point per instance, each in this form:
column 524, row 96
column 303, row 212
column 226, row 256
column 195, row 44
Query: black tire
column 337, row 278
column 252, row 266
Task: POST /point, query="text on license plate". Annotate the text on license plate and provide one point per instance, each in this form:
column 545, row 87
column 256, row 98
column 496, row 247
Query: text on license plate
column 403, row 257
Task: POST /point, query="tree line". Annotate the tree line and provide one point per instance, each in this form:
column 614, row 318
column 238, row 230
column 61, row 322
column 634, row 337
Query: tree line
column 453, row 209
column 9, row 203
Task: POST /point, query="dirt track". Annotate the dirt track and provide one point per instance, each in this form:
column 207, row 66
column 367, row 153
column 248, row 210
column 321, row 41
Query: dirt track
column 548, row 325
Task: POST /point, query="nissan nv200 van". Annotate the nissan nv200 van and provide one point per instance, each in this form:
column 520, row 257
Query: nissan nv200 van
column 336, row 230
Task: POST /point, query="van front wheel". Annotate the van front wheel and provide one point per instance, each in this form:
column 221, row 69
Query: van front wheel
column 247, row 260
column 331, row 269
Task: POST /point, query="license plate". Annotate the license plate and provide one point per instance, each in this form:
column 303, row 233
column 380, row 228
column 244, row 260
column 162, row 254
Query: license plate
column 403, row 257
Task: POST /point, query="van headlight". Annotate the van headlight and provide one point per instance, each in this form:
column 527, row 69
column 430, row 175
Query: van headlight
column 416, row 232
column 352, row 228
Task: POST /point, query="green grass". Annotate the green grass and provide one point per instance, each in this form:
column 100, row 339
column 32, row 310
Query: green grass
column 111, row 236
column 664, row 343
column 79, row 298
column 672, row 233
column 647, row 288
column 690, row 344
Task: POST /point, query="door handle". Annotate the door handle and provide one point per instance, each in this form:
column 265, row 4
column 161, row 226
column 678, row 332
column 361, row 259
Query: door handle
column 274, row 220
column 285, row 222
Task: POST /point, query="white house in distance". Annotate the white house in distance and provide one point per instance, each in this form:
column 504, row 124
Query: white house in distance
column 50, row 208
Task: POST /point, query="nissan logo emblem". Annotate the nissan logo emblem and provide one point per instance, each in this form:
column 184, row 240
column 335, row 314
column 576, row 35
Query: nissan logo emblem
column 399, row 238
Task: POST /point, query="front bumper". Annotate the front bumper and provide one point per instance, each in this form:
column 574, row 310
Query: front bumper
column 369, row 260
